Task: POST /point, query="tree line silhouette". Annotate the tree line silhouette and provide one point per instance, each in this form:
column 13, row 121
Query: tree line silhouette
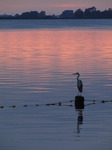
column 88, row 13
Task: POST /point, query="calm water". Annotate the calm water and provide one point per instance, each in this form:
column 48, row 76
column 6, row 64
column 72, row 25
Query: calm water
column 37, row 59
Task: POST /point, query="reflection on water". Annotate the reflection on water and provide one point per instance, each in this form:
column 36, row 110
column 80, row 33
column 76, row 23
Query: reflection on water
column 79, row 120
column 36, row 67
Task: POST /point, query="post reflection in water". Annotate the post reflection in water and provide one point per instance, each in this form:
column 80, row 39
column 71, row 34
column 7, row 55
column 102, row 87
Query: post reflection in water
column 79, row 119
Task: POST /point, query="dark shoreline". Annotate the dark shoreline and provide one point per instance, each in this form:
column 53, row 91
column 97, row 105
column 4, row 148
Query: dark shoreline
column 88, row 13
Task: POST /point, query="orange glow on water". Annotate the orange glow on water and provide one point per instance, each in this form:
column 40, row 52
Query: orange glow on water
column 43, row 60
column 49, row 49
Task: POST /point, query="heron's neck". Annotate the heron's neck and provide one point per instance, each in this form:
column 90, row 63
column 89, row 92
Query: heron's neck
column 78, row 76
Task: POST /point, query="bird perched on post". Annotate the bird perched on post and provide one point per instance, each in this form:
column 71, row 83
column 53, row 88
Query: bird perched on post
column 79, row 83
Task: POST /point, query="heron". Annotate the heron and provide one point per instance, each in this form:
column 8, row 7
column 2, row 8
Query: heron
column 79, row 83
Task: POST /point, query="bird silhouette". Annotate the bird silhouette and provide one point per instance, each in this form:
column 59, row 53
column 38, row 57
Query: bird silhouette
column 79, row 83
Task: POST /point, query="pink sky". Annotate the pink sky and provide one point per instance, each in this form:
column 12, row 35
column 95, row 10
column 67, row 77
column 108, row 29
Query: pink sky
column 50, row 6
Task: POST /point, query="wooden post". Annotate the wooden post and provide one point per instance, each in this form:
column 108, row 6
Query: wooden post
column 79, row 102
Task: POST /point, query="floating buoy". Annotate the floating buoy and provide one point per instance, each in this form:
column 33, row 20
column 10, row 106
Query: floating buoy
column 13, row 106
column 1, row 106
column 59, row 103
column 103, row 101
column 79, row 102
column 48, row 104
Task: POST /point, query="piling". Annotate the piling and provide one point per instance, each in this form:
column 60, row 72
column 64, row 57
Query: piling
column 79, row 102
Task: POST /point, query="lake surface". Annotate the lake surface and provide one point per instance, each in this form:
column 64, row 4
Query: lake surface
column 37, row 60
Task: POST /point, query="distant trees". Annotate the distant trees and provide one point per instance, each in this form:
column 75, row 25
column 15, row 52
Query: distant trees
column 67, row 14
column 88, row 13
column 107, row 13
column 31, row 15
column 5, row 16
column 79, row 14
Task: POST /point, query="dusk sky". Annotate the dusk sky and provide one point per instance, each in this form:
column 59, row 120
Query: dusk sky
column 50, row 6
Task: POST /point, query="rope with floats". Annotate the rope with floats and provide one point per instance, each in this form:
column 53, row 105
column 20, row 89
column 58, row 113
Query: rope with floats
column 65, row 103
